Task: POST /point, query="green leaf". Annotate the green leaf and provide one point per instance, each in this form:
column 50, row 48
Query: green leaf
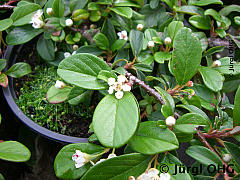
column 82, row 70
column 143, row 67
column 136, row 41
column 58, row 8
column 203, row 39
column 3, row 80
column 40, row 2
column 109, row 31
column 236, row 115
column 234, row 150
column 120, row 167
column 161, row 56
column 64, row 166
column 18, row 70
column 118, row 44
column 173, row 28
column 55, row 95
column 228, row 9
column 167, row 109
column 213, row 50
column 123, row 11
column 228, row 66
column 200, row 22
column 5, row 23
column 46, row 49
column 125, row 3
column 150, row 33
column 14, row 151
column 212, row 78
column 188, row 122
column 22, row 15
column 1, row 177
column 78, row 95
column 191, row 10
column 204, row 155
column 150, row 138
column 193, row 109
column 3, row 63
column 206, row 2
column 95, row 16
column 236, row 20
column 115, row 121
column 21, row 35
column 91, row 49
column 105, row 75
column 186, row 55
column 76, row 4
column 214, row 14
column 101, row 41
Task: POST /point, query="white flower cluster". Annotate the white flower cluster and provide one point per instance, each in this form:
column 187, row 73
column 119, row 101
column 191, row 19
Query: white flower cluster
column 152, row 174
column 119, row 86
column 80, row 158
column 36, row 20
column 123, row 35
column 67, row 54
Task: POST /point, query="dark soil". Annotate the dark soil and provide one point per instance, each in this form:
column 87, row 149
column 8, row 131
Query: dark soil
column 73, row 124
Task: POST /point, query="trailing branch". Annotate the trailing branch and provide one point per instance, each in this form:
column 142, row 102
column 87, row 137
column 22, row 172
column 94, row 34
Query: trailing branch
column 6, row 7
column 150, row 90
column 218, row 42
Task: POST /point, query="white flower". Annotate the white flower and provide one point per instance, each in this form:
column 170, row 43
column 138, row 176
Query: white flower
column 111, row 89
column 139, row 27
column 170, row 121
column 167, row 40
column 217, row 63
column 111, row 81
column 49, row 11
column 69, row 22
column 119, row 94
column 67, row 54
column 151, row 174
column 227, row 158
column 110, row 156
column 37, row 23
column 126, row 87
column 59, row 84
column 150, row 44
column 38, row 14
column 123, row 35
column 80, row 158
column 121, row 79
column 75, row 47
column 74, row 52
column 165, row 176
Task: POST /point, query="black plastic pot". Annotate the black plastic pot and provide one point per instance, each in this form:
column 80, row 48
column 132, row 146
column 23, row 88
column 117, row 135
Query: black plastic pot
column 9, row 94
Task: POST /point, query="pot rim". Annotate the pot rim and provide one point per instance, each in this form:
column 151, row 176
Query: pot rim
column 9, row 94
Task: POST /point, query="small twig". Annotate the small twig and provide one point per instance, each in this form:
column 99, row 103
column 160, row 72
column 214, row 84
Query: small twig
column 137, row 81
column 7, row 7
column 218, row 42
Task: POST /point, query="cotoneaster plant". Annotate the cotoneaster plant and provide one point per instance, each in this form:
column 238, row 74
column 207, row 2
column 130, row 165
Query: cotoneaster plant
column 153, row 65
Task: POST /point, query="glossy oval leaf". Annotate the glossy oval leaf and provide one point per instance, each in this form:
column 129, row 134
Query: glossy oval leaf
column 122, row 11
column 200, row 22
column 55, row 95
column 64, row 166
column 186, row 56
column 101, row 41
column 236, row 110
column 136, row 41
column 78, row 95
column 173, row 28
column 234, row 150
column 14, row 151
column 46, row 49
column 5, row 23
column 204, row 155
column 116, row 120
column 228, row 9
column 58, row 8
column 82, row 70
column 228, row 66
column 22, row 34
column 3, row 63
column 211, row 78
column 118, row 168
column 150, row 138
column 161, row 56
column 188, row 122
column 18, row 70
column 206, row 2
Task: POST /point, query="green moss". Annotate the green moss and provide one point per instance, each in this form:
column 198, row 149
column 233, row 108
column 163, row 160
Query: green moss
column 33, row 103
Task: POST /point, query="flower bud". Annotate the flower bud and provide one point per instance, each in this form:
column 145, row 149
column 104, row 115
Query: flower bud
column 75, row 47
column 49, row 11
column 190, row 84
column 67, row 54
column 59, row 84
column 92, row 26
column 139, row 27
column 150, row 44
column 170, row 121
column 218, row 56
column 227, row 158
column 69, row 22
column 217, row 63
column 131, row 178
column 167, row 40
